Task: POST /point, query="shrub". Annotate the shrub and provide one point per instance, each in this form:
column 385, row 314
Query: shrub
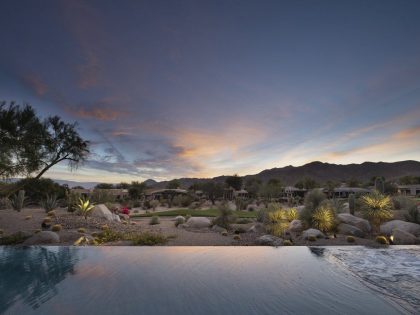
column 179, row 220
column 102, row 196
column 81, row 230
column 84, row 207
column 37, row 189
column 187, row 217
column 72, row 200
column 311, row 238
column 51, row 214
column 413, row 214
column 104, row 227
column 95, row 234
column 236, row 237
column 262, row 214
column 225, row 217
column 147, row 239
column 323, row 218
column 381, row 240
column 352, row 203
column 13, row 239
column 154, row 220
column 56, row 228
column 292, row 214
column 350, row 239
column 154, row 204
column 146, row 205
column 376, row 208
column 277, row 220
column 182, row 201
column 4, row 203
column 49, row 203
column 287, row 243
column 136, row 211
column 108, row 235
column 312, row 201
column 18, row 200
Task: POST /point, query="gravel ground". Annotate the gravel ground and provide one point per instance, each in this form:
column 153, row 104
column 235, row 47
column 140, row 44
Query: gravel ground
column 30, row 219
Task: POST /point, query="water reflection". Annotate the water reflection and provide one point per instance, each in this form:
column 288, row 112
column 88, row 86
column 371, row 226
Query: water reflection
column 32, row 274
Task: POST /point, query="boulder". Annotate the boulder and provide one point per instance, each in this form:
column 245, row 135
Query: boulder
column 296, row 226
column 179, row 219
column 403, row 238
column 198, row 222
column 409, row 227
column 43, row 237
column 257, row 228
column 312, row 232
column 360, row 223
column 101, row 211
column 269, row 240
column 348, row 229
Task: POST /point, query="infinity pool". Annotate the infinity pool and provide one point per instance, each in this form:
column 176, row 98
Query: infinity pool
column 209, row 280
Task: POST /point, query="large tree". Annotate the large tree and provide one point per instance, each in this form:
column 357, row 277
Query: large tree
column 30, row 146
column 234, row 181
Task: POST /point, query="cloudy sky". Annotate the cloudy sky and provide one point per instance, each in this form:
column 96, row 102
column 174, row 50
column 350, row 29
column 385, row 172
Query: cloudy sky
column 166, row 89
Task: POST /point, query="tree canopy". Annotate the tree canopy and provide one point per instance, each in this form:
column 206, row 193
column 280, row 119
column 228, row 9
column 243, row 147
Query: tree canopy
column 234, row 181
column 30, row 146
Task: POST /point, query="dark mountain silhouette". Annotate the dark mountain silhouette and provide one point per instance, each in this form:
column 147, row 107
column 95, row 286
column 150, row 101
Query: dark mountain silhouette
column 321, row 172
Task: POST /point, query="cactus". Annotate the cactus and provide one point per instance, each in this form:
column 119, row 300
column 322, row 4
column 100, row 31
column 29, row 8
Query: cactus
column 49, row 203
column 352, row 203
column 18, row 201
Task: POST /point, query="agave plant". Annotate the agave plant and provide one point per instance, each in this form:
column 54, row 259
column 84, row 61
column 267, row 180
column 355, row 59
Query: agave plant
column 18, row 200
column 376, row 208
column 49, row 203
column 84, row 207
column 323, row 218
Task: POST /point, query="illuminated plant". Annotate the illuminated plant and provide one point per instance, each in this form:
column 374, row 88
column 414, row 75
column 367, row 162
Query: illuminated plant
column 277, row 222
column 84, row 207
column 376, row 208
column 18, row 200
column 323, row 219
column 292, row 214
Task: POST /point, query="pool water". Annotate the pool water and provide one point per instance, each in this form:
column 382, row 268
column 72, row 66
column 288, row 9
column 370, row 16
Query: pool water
column 209, row 280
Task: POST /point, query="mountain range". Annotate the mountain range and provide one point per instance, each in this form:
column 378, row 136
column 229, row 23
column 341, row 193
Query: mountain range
column 320, row 172
column 289, row 175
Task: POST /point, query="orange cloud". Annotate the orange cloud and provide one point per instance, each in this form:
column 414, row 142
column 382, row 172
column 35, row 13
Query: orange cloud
column 97, row 113
column 36, row 83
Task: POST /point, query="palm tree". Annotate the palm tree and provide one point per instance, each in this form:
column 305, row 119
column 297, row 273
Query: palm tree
column 376, row 208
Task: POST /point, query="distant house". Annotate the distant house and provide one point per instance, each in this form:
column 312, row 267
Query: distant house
column 292, row 192
column 164, row 193
column 344, row 192
column 230, row 193
column 119, row 194
column 409, row 190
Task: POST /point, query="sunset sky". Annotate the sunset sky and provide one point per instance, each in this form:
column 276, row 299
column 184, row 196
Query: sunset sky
column 167, row 89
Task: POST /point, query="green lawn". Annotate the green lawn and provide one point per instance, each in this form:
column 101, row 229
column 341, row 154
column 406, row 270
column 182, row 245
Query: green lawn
column 194, row 213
